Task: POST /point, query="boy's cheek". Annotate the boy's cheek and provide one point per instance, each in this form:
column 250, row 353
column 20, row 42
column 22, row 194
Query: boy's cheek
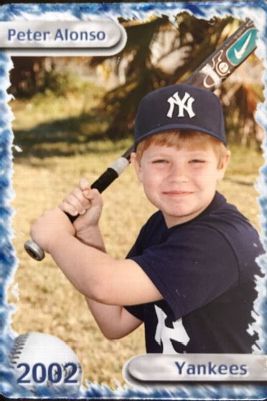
column 140, row 177
column 146, row 177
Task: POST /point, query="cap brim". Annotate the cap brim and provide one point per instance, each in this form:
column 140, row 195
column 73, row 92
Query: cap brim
column 185, row 127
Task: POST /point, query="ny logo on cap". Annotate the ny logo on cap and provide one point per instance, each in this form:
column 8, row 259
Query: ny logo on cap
column 184, row 105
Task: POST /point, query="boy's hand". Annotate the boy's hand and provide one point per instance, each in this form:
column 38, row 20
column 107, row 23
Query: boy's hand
column 50, row 227
column 86, row 203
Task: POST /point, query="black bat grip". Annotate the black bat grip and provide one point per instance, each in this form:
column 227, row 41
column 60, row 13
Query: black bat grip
column 34, row 250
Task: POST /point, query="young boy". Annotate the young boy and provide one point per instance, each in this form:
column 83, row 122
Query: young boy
column 190, row 276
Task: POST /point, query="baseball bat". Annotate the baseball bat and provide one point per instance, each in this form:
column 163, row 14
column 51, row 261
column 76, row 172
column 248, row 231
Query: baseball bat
column 209, row 75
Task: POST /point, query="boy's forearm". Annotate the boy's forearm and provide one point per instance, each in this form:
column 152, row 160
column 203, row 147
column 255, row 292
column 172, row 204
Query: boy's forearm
column 94, row 273
column 113, row 320
column 85, row 266
column 92, row 236
column 107, row 318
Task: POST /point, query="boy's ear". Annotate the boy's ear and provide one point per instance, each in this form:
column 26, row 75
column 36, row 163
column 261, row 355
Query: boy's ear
column 223, row 164
column 137, row 166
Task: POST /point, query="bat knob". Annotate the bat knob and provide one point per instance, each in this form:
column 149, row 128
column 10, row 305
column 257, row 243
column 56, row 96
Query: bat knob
column 34, row 250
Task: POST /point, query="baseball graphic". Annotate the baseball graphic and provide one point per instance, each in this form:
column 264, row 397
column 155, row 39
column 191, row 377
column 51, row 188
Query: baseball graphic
column 43, row 359
column 223, row 68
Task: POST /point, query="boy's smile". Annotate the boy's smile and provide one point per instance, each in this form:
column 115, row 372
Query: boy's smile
column 180, row 182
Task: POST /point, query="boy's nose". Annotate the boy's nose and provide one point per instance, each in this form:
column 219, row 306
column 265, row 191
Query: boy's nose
column 178, row 173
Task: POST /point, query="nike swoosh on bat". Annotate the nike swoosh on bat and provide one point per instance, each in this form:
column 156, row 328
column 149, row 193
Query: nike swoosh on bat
column 239, row 53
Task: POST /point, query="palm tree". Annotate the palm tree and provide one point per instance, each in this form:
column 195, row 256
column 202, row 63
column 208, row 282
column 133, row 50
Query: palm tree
column 160, row 53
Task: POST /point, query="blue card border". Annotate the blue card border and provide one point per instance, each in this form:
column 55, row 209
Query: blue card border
column 256, row 10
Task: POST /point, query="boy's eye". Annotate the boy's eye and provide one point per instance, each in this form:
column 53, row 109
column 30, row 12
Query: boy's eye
column 159, row 161
column 197, row 161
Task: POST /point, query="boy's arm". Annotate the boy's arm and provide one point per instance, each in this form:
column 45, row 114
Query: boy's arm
column 94, row 273
column 113, row 320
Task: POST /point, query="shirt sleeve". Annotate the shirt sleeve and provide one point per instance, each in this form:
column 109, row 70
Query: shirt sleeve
column 136, row 310
column 191, row 268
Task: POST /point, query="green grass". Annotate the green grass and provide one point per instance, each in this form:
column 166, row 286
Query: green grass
column 62, row 140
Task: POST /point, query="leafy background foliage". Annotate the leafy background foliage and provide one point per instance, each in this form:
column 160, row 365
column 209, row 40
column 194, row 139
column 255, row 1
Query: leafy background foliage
column 157, row 53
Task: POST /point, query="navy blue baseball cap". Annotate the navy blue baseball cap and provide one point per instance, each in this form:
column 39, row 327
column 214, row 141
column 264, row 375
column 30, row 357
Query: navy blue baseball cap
column 182, row 107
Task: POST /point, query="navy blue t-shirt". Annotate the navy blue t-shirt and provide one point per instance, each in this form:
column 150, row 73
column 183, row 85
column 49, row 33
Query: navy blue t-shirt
column 205, row 271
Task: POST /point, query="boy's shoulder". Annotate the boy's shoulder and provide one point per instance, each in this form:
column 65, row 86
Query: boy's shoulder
column 224, row 216
column 223, row 222
column 218, row 211
column 221, row 233
column 219, row 221
column 221, row 208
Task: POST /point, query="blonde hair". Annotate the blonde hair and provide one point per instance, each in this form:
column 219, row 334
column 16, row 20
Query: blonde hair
column 178, row 139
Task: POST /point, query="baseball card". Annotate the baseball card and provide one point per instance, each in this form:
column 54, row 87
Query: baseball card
column 133, row 200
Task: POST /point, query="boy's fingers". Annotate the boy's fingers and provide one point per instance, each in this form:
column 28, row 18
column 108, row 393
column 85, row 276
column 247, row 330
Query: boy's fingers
column 77, row 202
column 84, row 184
column 91, row 193
column 94, row 197
column 87, row 191
column 81, row 199
column 66, row 207
column 81, row 196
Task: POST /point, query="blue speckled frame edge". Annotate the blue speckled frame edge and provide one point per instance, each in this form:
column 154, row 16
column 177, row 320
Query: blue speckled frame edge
column 256, row 10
